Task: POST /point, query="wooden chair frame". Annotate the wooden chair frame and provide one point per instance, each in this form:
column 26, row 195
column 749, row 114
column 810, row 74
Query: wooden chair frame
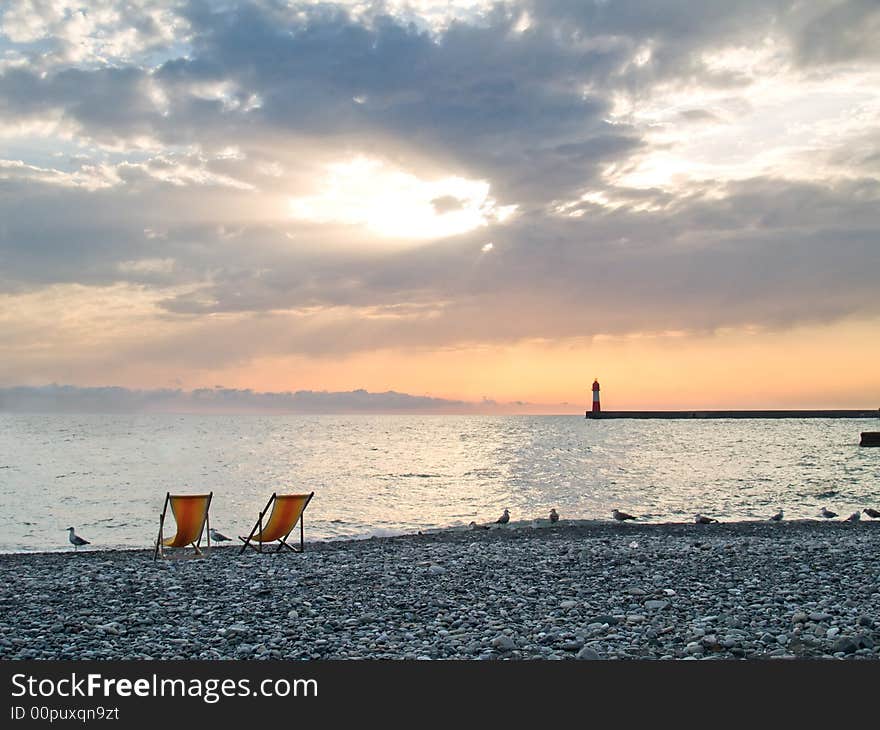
column 206, row 529
column 282, row 541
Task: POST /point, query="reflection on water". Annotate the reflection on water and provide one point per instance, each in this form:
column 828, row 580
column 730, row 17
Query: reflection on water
column 107, row 475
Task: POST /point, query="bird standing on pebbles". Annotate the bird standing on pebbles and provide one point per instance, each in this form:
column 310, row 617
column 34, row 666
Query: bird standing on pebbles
column 854, row 517
column 554, row 517
column 777, row 517
column 828, row 514
column 872, row 513
column 218, row 536
column 75, row 539
column 504, row 519
column 703, row 520
column 622, row 516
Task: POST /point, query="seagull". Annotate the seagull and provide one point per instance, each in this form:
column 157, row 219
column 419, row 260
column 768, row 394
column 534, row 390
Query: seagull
column 703, row 520
column 554, row 516
column 218, row 536
column 828, row 514
column 854, row 517
column 474, row 526
column 75, row 539
column 622, row 516
column 872, row 513
column 777, row 517
column 504, row 519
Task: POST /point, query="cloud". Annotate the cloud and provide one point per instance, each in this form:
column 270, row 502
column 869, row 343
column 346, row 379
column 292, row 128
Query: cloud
column 265, row 178
column 71, row 399
column 698, row 115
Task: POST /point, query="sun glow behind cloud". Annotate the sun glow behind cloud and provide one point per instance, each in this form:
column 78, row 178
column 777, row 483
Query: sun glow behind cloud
column 393, row 203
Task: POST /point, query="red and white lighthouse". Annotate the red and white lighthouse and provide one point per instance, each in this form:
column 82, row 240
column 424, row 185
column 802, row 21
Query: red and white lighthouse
column 597, row 408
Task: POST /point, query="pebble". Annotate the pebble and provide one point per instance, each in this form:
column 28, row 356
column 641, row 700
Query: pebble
column 588, row 654
column 503, row 643
column 513, row 594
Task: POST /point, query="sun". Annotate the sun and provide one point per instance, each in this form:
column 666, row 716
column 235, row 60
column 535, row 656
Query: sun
column 393, row 203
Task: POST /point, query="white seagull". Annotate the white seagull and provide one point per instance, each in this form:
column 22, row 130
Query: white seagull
column 622, row 516
column 828, row 514
column 703, row 520
column 504, row 519
column 75, row 539
column 554, row 516
column 218, row 536
column 777, row 517
column 854, row 517
column 872, row 513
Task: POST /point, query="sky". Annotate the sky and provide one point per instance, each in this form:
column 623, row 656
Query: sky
column 451, row 206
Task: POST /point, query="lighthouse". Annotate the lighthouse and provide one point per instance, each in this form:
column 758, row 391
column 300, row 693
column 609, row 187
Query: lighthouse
column 597, row 408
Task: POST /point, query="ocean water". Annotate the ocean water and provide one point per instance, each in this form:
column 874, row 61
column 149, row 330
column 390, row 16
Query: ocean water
column 107, row 475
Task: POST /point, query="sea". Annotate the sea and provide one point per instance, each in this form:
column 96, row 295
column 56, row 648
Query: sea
column 376, row 475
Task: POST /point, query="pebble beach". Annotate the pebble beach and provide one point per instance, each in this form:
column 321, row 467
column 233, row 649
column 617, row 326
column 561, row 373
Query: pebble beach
column 587, row 590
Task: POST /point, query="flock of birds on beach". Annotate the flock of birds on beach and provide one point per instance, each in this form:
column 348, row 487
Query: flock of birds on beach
column 699, row 519
column 617, row 514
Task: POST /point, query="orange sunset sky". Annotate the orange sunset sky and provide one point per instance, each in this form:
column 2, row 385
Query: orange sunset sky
column 489, row 204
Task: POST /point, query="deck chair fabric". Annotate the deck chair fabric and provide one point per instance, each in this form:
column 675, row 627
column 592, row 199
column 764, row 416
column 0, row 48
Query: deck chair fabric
column 191, row 513
column 287, row 510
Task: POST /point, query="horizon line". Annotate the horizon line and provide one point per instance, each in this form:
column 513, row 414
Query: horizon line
column 67, row 398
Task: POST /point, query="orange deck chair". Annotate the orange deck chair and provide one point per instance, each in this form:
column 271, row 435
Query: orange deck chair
column 191, row 514
column 287, row 510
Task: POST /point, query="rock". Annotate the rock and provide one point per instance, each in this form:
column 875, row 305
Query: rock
column 587, row 653
column 566, row 605
column 436, row 570
column 656, row 605
column 502, row 642
column 845, row 644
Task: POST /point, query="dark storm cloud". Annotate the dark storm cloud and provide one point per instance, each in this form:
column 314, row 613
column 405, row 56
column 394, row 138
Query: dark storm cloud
column 108, row 103
column 484, row 98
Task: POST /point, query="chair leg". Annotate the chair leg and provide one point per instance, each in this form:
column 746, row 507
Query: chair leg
column 284, row 544
column 247, row 544
column 158, row 551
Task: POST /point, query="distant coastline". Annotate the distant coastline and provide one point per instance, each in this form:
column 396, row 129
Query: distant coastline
column 866, row 413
